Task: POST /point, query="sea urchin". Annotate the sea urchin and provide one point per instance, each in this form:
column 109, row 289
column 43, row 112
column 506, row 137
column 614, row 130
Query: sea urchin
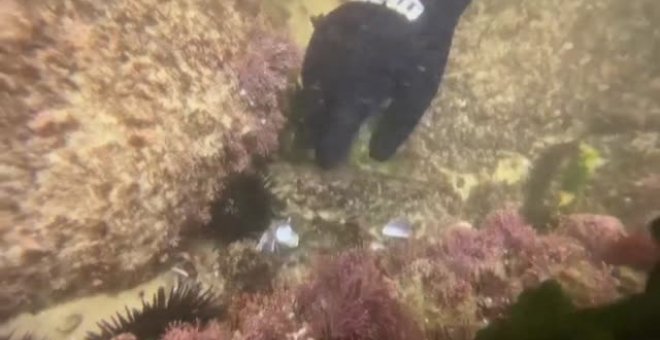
column 184, row 303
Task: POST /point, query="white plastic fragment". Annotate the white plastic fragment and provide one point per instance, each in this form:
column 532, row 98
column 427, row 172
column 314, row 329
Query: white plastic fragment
column 279, row 234
column 286, row 236
column 398, row 228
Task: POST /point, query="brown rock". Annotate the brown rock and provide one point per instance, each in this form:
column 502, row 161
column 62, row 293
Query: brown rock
column 114, row 137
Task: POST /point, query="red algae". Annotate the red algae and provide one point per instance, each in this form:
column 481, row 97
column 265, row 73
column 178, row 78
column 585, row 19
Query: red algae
column 349, row 297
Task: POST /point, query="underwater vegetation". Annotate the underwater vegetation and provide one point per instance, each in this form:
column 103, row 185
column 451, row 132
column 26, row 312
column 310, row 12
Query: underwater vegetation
column 351, row 298
column 557, row 181
column 196, row 332
column 265, row 316
column 246, row 269
column 133, row 97
column 546, row 312
column 265, row 74
column 637, row 249
column 444, row 284
column 265, row 71
column 469, row 276
column 452, row 284
column 346, row 296
column 365, row 59
column 139, row 109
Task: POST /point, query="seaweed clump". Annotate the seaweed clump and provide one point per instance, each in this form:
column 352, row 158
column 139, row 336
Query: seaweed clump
column 187, row 331
column 546, row 312
column 185, row 303
column 347, row 296
column 246, row 270
column 436, row 287
column 265, row 77
column 467, row 277
column 504, row 274
column 558, row 181
column 350, row 298
column 266, row 317
column 639, row 249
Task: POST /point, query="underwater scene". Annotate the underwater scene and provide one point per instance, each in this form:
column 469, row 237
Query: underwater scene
column 330, row 169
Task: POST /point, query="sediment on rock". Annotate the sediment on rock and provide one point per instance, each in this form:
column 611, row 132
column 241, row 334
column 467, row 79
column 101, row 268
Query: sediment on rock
column 119, row 122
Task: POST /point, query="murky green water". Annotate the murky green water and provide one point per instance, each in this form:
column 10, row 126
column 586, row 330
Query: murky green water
column 523, row 76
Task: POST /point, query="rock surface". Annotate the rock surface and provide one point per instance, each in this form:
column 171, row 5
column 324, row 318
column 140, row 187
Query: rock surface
column 119, row 122
column 522, row 77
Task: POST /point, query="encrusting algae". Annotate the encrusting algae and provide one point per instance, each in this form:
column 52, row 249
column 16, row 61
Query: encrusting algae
column 119, row 122
column 123, row 122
